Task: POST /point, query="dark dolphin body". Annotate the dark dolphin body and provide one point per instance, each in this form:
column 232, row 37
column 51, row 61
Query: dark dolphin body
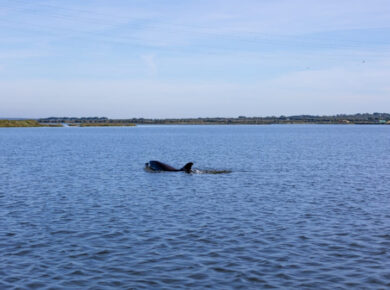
column 159, row 166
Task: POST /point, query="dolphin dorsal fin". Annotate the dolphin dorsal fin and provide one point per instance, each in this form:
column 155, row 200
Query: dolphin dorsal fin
column 187, row 167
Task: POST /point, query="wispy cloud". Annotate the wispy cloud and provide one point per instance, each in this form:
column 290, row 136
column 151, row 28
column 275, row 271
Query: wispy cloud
column 150, row 63
column 178, row 21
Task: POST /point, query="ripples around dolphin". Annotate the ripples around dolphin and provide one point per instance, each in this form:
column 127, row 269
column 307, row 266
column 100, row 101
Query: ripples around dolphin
column 194, row 171
column 302, row 207
column 211, row 171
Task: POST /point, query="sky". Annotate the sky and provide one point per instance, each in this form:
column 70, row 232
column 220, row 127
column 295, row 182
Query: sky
column 193, row 58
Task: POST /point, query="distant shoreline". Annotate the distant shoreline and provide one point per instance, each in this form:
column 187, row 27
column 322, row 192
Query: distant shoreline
column 355, row 119
column 35, row 123
column 366, row 118
column 24, row 123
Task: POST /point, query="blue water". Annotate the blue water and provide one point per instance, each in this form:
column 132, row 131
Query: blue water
column 304, row 207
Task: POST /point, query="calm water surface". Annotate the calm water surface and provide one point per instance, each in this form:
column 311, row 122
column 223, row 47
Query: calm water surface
column 305, row 207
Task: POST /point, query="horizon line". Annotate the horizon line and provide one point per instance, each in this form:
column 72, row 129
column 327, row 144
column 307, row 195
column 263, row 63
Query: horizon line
column 222, row 117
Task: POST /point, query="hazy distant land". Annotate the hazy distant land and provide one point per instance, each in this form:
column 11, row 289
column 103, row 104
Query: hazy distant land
column 371, row 119
column 112, row 123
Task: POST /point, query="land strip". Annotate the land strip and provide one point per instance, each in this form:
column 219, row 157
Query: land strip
column 25, row 123
column 360, row 119
column 375, row 118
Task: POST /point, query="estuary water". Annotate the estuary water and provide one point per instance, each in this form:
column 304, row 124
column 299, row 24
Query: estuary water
column 304, row 206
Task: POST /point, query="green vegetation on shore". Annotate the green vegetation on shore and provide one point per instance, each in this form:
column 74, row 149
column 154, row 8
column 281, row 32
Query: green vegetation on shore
column 25, row 123
column 369, row 119
column 366, row 118
column 35, row 123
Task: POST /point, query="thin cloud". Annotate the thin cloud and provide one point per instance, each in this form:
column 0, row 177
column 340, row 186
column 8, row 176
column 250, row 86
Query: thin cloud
column 150, row 63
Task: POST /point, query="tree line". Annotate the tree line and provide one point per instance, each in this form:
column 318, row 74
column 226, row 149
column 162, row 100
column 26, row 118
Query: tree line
column 360, row 118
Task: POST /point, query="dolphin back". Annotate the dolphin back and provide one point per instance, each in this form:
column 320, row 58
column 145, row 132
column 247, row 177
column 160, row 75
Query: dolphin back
column 159, row 166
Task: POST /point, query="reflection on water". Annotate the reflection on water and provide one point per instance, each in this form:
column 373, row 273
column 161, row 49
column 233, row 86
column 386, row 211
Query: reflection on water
column 301, row 207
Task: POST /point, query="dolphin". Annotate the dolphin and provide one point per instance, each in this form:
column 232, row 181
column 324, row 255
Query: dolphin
column 154, row 165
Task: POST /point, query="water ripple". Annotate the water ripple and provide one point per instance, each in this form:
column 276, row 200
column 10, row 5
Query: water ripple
column 303, row 207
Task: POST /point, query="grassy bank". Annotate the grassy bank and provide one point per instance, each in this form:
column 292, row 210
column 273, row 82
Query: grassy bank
column 24, row 123
column 19, row 123
column 34, row 123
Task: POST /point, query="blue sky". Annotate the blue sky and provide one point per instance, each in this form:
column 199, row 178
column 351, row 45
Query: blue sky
column 172, row 58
